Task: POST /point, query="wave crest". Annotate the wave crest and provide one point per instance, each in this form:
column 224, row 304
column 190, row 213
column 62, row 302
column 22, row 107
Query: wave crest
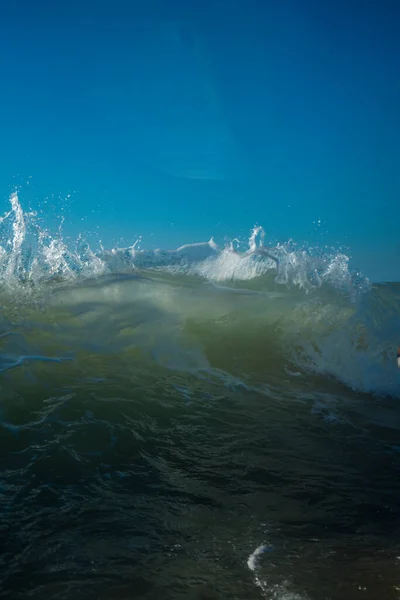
column 30, row 253
column 299, row 309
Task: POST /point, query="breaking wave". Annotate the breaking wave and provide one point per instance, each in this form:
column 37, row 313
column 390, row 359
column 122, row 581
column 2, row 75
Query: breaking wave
column 289, row 313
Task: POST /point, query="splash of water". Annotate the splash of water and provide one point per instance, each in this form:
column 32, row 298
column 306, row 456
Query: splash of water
column 273, row 592
column 31, row 254
column 331, row 321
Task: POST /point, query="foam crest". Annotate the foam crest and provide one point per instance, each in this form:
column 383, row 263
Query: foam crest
column 320, row 316
column 29, row 253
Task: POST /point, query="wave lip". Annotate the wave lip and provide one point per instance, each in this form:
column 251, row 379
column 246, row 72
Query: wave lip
column 30, row 253
column 305, row 309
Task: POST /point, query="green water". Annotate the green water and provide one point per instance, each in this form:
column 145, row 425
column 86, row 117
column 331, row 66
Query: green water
column 172, row 432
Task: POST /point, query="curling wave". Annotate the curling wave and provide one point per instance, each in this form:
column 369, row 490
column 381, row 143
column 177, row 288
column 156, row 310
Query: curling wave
column 263, row 315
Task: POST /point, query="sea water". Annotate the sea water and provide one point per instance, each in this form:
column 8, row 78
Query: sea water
column 208, row 422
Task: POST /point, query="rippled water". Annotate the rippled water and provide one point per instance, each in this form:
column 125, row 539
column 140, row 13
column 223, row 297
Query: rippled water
column 196, row 424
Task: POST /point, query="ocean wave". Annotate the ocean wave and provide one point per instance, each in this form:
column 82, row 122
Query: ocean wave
column 261, row 314
column 30, row 253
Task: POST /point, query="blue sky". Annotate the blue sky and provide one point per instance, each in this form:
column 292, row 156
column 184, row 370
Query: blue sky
column 182, row 120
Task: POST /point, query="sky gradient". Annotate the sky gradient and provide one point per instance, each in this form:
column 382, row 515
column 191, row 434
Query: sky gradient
column 179, row 121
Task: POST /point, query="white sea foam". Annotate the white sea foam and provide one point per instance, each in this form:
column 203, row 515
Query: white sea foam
column 327, row 319
column 29, row 252
column 272, row 592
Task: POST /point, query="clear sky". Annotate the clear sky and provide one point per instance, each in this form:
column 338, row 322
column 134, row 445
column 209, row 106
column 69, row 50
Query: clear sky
column 184, row 120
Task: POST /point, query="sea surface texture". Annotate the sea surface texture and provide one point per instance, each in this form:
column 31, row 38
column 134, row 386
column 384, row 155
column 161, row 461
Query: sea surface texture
column 201, row 423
